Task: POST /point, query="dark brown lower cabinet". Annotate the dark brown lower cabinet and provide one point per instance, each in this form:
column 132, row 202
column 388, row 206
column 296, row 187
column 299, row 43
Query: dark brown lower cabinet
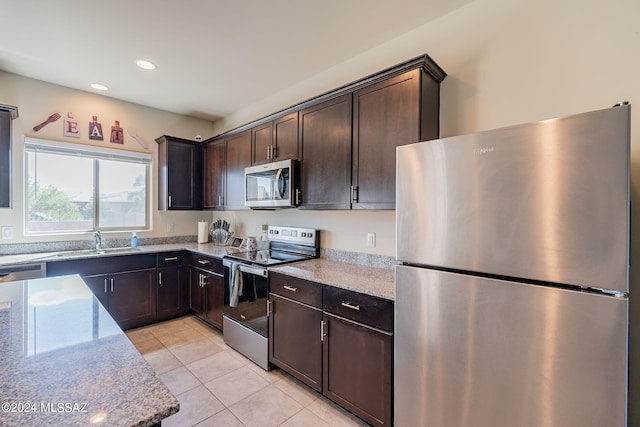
column 294, row 343
column 173, row 291
column 130, row 297
column 358, row 369
column 336, row 341
column 207, row 296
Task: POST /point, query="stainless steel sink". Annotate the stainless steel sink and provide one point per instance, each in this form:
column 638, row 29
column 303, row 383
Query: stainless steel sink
column 89, row 252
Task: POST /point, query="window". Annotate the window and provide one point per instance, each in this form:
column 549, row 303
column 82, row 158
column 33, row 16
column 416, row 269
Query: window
column 77, row 188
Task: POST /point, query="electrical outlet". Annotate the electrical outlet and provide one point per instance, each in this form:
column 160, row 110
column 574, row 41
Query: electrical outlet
column 7, row 233
column 170, row 227
column 371, row 240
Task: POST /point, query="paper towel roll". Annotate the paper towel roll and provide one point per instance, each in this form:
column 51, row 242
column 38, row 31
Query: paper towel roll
column 203, row 232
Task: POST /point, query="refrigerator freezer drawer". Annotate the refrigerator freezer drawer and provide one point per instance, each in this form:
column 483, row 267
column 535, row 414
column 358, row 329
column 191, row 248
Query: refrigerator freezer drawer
column 547, row 201
column 477, row 352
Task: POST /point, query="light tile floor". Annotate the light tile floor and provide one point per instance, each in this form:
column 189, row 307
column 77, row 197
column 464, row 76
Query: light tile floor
column 217, row 386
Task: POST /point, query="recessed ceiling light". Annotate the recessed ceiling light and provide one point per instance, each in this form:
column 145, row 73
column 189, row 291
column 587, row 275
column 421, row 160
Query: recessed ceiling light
column 146, row 65
column 99, row 86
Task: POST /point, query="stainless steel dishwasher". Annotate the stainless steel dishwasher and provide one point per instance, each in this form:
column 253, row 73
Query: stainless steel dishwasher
column 10, row 273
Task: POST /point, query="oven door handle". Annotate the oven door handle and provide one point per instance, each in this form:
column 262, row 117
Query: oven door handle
column 248, row 269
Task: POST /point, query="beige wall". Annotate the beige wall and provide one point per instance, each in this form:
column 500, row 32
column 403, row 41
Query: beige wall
column 37, row 100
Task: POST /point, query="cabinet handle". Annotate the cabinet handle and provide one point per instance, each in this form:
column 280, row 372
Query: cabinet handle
column 159, row 277
column 268, row 152
column 105, row 285
column 172, row 258
column 274, row 152
column 351, row 306
column 112, row 285
column 203, row 261
column 354, row 194
column 203, row 280
column 323, row 333
column 220, row 200
column 169, row 201
column 289, row 288
column 269, row 307
column 298, row 196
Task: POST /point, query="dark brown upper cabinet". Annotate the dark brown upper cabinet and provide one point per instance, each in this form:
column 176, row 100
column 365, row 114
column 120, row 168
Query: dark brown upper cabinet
column 399, row 110
column 214, row 175
column 345, row 139
column 325, row 141
column 179, row 174
column 7, row 113
column 238, row 154
column 275, row 140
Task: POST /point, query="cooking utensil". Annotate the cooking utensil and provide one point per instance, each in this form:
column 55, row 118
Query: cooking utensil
column 135, row 136
column 52, row 118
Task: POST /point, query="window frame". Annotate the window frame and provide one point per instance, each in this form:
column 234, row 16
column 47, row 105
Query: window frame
column 35, row 145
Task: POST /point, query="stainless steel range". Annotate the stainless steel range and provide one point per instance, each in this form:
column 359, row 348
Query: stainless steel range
column 246, row 276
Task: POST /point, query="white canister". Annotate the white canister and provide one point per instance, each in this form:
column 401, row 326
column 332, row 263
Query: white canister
column 203, row 232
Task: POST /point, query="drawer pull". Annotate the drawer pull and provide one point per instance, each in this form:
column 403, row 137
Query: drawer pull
column 173, row 258
column 203, row 261
column 289, row 288
column 351, row 306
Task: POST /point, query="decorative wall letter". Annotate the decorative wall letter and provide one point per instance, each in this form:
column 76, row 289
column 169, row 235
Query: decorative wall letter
column 117, row 135
column 95, row 130
column 71, row 126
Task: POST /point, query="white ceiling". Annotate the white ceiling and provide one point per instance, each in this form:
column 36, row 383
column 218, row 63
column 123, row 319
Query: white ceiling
column 214, row 57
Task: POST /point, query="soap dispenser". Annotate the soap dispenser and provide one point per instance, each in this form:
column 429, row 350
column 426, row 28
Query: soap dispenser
column 134, row 240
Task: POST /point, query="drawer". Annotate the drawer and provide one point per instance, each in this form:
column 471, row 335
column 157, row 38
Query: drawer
column 296, row 289
column 207, row 263
column 169, row 259
column 366, row 309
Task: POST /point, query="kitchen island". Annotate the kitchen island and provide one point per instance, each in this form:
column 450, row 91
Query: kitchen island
column 66, row 362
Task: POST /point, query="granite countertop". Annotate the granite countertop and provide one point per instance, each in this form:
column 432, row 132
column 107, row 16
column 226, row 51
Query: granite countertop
column 340, row 269
column 375, row 281
column 66, row 362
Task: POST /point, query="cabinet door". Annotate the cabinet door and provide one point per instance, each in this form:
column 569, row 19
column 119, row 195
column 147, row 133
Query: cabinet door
column 172, row 295
column 385, row 115
column 294, row 340
column 285, row 137
column 357, row 369
column 214, row 172
column 99, row 285
column 325, row 135
column 238, row 158
column 214, row 294
column 5, row 159
column 183, row 164
column 196, row 292
column 262, row 143
column 132, row 297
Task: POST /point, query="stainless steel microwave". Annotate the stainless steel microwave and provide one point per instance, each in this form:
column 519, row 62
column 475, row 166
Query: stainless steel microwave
column 271, row 186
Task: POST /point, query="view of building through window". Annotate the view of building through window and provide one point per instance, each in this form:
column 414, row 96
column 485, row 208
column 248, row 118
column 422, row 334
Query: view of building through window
column 68, row 192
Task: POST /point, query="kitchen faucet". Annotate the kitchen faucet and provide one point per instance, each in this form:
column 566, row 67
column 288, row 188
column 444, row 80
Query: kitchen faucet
column 98, row 237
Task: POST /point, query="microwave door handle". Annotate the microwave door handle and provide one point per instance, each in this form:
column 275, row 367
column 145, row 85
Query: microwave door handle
column 280, row 183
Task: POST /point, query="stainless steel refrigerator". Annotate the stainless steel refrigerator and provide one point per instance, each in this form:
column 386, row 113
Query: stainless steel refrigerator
column 512, row 278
